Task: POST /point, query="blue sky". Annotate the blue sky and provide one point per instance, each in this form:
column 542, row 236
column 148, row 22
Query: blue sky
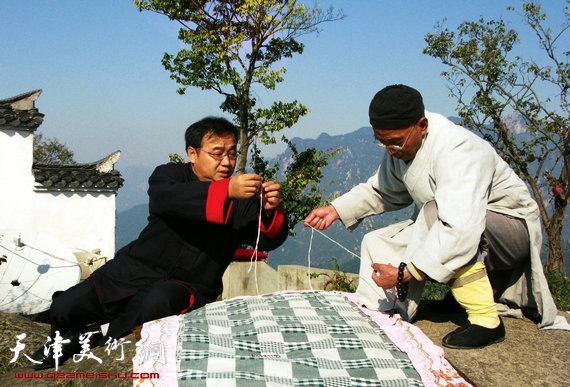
column 104, row 88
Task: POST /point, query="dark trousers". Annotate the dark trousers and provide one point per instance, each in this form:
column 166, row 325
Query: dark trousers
column 505, row 245
column 79, row 306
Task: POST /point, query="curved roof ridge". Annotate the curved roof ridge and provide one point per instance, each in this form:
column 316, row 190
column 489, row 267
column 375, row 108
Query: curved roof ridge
column 104, row 165
column 87, row 176
column 24, row 101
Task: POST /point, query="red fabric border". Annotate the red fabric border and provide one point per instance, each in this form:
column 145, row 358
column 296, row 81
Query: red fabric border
column 228, row 212
column 191, row 303
column 276, row 223
column 217, row 194
column 246, row 255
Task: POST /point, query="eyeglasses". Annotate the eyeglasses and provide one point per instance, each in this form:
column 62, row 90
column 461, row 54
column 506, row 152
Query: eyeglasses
column 395, row 148
column 232, row 155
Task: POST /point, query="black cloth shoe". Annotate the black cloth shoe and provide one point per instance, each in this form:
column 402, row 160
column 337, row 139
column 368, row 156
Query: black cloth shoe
column 474, row 336
column 448, row 305
column 47, row 361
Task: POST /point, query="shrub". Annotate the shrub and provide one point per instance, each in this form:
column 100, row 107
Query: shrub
column 338, row 281
column 559, row 285
column 434, row 291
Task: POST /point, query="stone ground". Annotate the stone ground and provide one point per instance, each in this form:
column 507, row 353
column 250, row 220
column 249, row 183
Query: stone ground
column 527, row 357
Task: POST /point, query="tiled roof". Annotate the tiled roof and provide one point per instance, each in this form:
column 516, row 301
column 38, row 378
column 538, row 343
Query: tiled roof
column 19, row 113
column 99, row 175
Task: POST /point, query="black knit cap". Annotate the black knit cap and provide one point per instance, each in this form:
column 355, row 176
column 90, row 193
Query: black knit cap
column 396, row 107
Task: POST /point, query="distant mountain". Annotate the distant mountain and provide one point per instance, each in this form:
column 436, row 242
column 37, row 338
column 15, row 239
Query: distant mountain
column 129, row 224
column 359, row 160
column 133, row 192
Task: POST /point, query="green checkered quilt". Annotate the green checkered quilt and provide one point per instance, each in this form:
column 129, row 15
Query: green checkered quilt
column 296, row 339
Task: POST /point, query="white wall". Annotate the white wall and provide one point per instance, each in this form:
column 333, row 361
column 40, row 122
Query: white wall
column 77, row 219
column 82, row 220
column 16, row 180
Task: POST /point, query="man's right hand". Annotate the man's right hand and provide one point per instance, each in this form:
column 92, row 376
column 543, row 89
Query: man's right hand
column 244, row 186
column 321, row 218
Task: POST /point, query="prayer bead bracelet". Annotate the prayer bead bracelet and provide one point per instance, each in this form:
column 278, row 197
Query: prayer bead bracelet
column 401, row 286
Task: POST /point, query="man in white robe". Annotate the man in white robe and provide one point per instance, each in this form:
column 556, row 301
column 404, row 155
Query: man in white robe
column 473, row 216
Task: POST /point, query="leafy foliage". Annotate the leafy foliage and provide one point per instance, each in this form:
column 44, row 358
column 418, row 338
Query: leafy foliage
column 51, row 151
column 299, row 188
column 338, row 281
column 232, row 46
column 559, row 285
column 491, row 84
column 176, row 158
column 434, row 291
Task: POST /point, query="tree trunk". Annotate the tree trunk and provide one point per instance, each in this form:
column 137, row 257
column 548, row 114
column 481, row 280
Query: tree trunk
column 243, row 147
column 243, row 137
column 555, row 257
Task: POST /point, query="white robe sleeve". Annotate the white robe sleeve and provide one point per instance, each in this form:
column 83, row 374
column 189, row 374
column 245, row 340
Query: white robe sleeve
column 383, row 192
column 463, row 176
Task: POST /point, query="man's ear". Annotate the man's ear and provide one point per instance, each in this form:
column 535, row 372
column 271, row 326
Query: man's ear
column 423, row 124
column 192, row 154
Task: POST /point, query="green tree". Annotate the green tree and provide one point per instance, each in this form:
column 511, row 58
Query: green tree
column 299, row 187
column 51, row 151
column 176, row 158
column 233, row 46
column 491, row 84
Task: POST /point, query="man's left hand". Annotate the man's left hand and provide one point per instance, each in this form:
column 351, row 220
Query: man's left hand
column 271, row 193
column 386, row 276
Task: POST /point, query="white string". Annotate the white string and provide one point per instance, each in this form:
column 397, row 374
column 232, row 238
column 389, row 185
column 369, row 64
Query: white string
column 21, row 271
column 23, row 293
column 15, row 254
column 256, row 245
column 332, row 240
column 309, row 259
column 51, row 255
column 309, row 253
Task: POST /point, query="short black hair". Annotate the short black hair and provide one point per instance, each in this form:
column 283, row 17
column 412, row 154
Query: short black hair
column 215, row 126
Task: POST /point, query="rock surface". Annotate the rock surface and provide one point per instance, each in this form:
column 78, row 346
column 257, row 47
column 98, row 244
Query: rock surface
column 12, row 325
column 527, row 357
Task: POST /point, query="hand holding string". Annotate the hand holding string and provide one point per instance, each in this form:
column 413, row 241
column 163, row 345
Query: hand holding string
column 244, row 186
column 321, row 218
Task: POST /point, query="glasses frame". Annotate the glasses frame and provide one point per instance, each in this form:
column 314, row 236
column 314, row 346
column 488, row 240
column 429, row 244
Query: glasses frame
column 395, row 148
column 222, row 156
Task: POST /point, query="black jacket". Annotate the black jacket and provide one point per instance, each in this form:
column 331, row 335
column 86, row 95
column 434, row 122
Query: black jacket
column 192, row 233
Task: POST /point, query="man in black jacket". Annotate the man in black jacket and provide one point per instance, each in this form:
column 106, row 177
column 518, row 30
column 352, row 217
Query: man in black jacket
column 199, row 215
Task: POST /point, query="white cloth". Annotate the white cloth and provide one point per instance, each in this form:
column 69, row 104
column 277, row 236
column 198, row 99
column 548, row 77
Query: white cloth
column 465, row 177
column 559, row 323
